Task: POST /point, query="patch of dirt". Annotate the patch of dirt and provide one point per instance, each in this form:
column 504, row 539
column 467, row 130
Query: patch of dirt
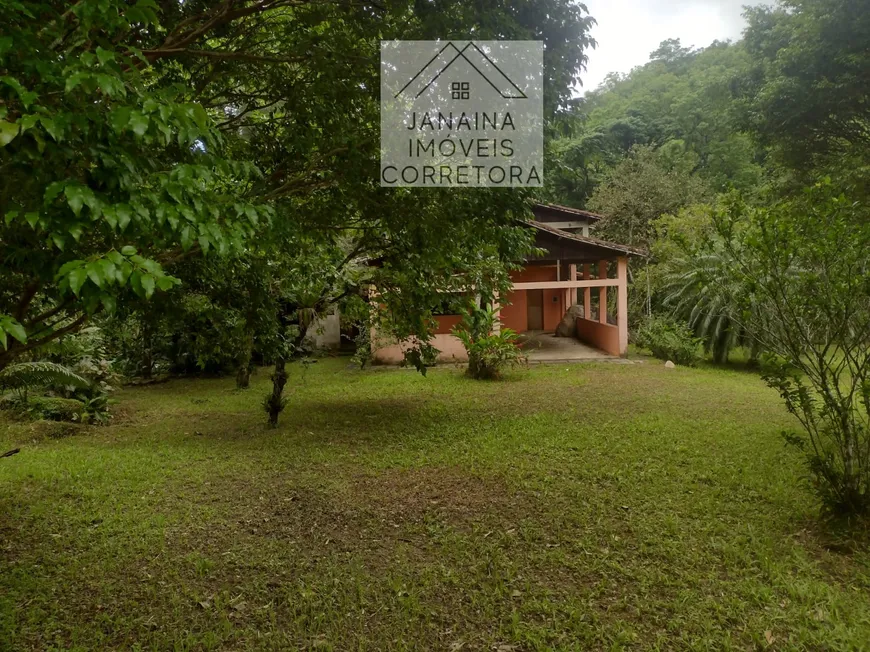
column 836, row 546
column 448, row 494
column 370, row 513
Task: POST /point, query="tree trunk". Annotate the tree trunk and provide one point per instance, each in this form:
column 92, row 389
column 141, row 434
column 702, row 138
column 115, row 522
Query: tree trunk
column 275, row 401
column 147, row 367
column 243, row 373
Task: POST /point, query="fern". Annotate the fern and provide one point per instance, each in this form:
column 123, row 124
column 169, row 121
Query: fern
column 25, row 375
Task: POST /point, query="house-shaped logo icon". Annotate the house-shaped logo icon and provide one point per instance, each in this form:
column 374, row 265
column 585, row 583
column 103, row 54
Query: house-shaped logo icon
column 488, row 73
column 462, row 113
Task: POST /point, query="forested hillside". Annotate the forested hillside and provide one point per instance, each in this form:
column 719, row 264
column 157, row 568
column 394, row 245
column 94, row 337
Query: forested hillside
column 773, row 110
column 761, row 119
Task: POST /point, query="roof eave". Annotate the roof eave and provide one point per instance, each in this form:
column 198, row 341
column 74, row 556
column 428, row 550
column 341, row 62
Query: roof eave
column 604, row 244
column 569, row 211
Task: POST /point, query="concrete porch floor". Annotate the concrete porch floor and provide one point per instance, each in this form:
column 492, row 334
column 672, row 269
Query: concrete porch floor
column 541, row 346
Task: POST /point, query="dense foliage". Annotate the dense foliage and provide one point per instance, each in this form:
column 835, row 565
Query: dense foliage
column 807, row 90
column 107, row 173
column 801, row 285
column 205, row 173
column 669, row 339
column 743, row 168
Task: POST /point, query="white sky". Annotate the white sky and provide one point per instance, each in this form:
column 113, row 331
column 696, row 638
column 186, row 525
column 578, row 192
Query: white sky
column 628, row 30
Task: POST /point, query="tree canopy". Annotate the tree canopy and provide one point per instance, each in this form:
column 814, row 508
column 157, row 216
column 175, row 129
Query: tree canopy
column 136, row 135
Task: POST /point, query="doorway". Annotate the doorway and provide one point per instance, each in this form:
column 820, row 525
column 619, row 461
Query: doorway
column 535, row 310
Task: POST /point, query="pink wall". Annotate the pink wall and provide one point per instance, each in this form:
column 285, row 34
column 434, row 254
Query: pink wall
column 446, row 323
column 392, row 352
column 515, row 315
column 601, row 336
column 389, row 351
column 532, row 273
column 553, row 308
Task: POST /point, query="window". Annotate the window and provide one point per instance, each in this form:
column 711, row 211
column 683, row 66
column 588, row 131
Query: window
column 460, row 90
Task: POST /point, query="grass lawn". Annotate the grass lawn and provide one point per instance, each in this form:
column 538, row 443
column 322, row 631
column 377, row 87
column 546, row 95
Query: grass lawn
column 587, row 506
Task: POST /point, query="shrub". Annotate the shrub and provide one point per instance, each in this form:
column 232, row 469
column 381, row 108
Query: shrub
column 85, row 352
column 73, row 397
column 488, row 352
column 95, row 405
column 421, row 356
column 54, row 408
column 27, row 375
column 87, row 408
column 805, row 297
column 669, row 339
column 698, row 292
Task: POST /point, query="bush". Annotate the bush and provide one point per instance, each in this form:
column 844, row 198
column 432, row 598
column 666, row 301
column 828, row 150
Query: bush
column 89, row 408
column 807, row 301
column 71, row 397
column 488, row 353
column 54, row 408
column 669, row 339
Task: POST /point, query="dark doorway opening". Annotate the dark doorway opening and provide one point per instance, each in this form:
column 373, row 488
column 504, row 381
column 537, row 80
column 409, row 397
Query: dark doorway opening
column 535, row 309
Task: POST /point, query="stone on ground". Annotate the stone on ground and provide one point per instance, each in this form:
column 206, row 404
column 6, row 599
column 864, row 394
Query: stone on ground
column 568, row 326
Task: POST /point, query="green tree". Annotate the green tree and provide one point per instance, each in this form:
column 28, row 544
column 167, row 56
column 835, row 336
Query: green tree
column 807, row 95
column 152, row 102
column 694, row 294
column 120, row 122
column 641, row 188
column 682, row 95
column 689, row 268
column 106, row 174
column 803, row 290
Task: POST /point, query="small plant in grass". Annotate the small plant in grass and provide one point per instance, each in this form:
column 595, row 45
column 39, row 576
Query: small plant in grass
column 489, row 353
column 54, row 408
column 95, row 406
column 835, row 420
column 669, row 339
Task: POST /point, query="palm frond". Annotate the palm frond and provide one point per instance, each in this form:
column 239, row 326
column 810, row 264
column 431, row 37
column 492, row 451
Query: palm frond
column 40, row 374
column 701, row 292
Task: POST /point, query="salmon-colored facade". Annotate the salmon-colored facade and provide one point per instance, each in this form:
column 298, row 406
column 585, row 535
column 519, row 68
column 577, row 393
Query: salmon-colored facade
column 574, row 270
column 516, row 313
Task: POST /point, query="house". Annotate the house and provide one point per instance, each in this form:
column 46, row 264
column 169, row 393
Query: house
column 575, row 269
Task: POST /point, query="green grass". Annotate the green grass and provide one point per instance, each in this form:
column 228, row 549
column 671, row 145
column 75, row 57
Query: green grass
column 584, row 506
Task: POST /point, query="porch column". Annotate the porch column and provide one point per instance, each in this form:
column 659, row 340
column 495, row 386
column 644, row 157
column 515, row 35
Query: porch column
column 571, row 293
column 622, row 303
column 602, row 293
column 587, row 294
column 496, row 308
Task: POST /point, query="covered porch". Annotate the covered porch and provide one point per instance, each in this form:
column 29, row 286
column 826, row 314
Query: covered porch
column 574, row 277
column 540, row 346
column 573, row 270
